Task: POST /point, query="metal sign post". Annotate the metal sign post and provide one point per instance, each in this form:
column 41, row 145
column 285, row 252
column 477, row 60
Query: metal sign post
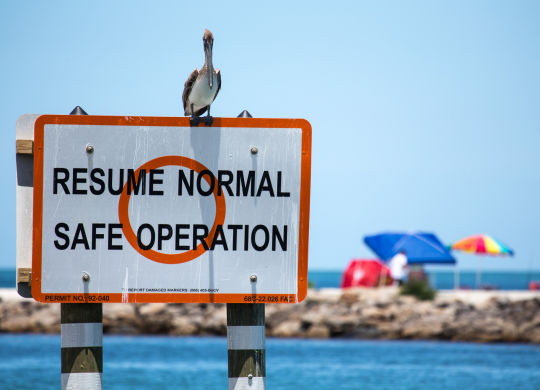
column 246, row 340
column 246, row 346
column 82, row 345
column 81, row 336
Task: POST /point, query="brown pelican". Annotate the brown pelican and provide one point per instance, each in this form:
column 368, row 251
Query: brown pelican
column 202, row 87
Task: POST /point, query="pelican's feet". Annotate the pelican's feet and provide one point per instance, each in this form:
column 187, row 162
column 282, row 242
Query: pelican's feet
column 208, row 120
column 194, row 120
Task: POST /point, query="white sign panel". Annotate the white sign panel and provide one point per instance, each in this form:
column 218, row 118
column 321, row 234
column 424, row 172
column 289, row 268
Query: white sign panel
column 134, row 209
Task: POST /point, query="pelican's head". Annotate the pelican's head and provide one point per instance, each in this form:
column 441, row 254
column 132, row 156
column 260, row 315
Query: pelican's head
column 208, row 41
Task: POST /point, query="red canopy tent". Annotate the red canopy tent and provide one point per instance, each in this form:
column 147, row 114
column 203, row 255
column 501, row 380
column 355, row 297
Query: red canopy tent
column 366, row 273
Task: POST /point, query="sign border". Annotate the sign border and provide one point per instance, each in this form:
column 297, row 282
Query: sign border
column 303, row 239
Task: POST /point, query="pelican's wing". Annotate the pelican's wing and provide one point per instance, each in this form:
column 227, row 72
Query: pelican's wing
column 218, row 76
column 187, row 89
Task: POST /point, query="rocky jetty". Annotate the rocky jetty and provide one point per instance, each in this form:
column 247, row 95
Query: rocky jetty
column 480, row 316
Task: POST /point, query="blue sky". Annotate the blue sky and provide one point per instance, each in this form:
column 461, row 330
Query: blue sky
column 425, row 115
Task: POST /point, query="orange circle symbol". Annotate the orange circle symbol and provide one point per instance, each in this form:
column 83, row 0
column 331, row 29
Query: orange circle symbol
column 169, row 258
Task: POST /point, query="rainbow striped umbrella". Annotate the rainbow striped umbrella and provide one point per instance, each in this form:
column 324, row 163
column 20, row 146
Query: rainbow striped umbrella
column 481, row 244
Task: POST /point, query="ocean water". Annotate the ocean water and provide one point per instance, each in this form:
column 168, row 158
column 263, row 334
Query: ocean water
column 444, row 280
column 441, row 280
column 7, row 278
column 33, row 362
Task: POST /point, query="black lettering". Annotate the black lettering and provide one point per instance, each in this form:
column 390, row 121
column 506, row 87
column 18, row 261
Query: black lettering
column 254, row 236
column 219, row 239
column 265, row 187
column 77, row 180
column 113, row 235
column 245, row 187
column 281, row 194
column 152, row 234
column 276, row 236
column 235, row 229
column 164, row 233
column 134, row 183
column 182, row 179
column 118, row 190
column 225, row 182
column 95, row 234
column 246, row 237
column 61, row 235
column 80, row 237
column 96, row 180
column 212, row 182
column 154, row 181
column 180, row 236
column 62, row 181
column 200, row 237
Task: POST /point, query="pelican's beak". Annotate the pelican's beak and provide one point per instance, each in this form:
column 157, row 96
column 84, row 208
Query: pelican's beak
column 208, row 59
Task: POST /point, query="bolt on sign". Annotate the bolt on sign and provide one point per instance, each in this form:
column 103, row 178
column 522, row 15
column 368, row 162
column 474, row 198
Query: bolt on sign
column 148, row 209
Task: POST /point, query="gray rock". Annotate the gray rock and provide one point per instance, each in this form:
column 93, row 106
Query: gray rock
column 359, row 313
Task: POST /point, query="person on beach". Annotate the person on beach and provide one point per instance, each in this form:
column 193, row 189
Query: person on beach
column 398, row 267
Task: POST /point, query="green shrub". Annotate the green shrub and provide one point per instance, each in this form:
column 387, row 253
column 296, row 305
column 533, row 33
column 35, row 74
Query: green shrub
column 419, row 289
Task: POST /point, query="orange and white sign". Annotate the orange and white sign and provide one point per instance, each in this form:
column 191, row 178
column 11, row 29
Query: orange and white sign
column 149, row 209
